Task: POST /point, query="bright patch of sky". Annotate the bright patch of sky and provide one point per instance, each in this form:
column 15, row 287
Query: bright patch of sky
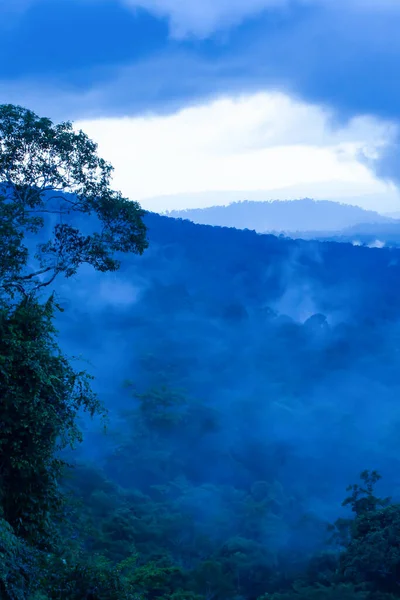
column 264, row 141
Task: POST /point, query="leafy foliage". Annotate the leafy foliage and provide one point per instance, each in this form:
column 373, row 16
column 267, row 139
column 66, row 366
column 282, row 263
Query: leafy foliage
column 41, row 162
column 18, row 565
column 87, row 577
column 372, row 555
column 42, row 395
column 362, row 500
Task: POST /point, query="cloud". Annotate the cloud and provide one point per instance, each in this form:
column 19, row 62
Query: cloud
column 189, row 18
column 117, row 57
column 252, row 142
column 202, row 19
column 385, row 160
column 376, row 244
column 122, row 62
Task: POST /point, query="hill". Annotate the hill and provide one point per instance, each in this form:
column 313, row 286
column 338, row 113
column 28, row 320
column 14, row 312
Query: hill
column 249, row 378
column 367, row 234
column 278, row 215
column 295, row 332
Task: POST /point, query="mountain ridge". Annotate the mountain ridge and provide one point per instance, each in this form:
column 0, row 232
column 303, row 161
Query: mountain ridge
column 304, row 214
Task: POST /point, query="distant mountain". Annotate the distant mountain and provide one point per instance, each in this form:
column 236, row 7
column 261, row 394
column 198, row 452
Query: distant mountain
column 283, row 216
column 393, row 215
column 367, row 196
column 373, row 235
column 364, row 234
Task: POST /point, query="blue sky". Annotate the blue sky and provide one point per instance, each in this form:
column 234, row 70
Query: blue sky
column 148, row 61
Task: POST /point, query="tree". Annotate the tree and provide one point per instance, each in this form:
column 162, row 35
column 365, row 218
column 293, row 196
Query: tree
column 41, row 395
column 49, row 175
column 372, row 554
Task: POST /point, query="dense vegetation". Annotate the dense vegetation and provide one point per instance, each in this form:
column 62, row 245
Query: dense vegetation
column 244, row 381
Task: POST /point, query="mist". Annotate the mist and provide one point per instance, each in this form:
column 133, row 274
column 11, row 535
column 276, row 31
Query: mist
column 249, row 379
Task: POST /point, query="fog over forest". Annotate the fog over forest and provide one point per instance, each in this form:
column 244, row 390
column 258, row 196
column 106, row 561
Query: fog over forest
column 249, row 380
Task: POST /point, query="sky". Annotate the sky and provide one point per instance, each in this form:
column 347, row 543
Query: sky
column 199, row 102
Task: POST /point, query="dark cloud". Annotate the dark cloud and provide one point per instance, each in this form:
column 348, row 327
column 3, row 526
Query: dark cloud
column 77, row 60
